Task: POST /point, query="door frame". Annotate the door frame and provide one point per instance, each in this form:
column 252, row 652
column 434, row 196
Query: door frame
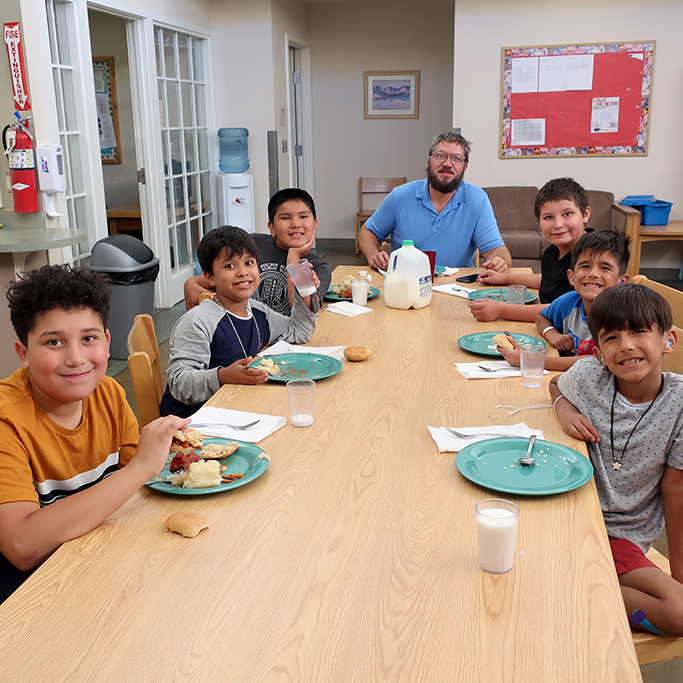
column 306, row 114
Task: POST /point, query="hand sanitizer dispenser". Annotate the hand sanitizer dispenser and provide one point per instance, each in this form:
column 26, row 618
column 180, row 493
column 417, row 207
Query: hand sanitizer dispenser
column 51, row 177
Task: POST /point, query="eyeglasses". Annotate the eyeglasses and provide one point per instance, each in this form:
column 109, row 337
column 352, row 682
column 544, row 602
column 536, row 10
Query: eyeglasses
column 456, row 159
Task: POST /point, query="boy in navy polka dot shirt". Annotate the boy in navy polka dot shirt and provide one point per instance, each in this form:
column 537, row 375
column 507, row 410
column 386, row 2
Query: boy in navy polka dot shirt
column 631, row 415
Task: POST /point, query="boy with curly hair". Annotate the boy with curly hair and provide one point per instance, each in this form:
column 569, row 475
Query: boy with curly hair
column 70, row 454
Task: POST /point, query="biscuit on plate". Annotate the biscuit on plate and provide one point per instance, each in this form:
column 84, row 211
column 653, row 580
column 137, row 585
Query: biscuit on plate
column 502, row 341
column 187, row 524
column 186, row 441
column 213, row 451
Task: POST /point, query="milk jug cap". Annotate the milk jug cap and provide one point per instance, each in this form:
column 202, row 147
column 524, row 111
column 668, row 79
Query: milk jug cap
column 407, row 243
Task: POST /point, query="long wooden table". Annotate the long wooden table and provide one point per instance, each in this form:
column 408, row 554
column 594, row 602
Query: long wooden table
column 352, row 558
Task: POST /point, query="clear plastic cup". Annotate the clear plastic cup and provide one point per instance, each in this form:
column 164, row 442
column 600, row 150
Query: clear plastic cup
column 301, row 395
column 532, row 362
column 497, row 522
column 517, row 294
column 303, row 277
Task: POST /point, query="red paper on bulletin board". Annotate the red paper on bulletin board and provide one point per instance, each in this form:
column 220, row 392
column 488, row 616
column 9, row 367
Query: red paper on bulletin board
column 576, row 100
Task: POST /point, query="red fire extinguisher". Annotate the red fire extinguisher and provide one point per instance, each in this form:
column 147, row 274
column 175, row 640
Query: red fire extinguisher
column 18, row 143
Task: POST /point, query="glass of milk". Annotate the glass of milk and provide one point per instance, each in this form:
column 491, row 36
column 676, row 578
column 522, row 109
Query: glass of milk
column 497, row 522
column 300, row 272
column 359, row 291
column 301, row 395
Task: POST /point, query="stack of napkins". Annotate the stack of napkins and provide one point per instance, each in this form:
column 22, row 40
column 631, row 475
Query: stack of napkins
column 448, row 271
column 347, row 308
column 448, row 442
column 454, row 290
column 285, row 347
column 219, row 416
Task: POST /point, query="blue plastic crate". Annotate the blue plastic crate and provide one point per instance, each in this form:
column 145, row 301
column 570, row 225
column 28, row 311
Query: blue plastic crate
column 652, row 211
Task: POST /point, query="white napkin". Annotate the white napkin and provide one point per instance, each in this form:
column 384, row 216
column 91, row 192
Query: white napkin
column 284, row 347
column 502, row 369
column 267, row 425
column 347, row 308
column 447, row 442
column 448, row 271
column 454, row 290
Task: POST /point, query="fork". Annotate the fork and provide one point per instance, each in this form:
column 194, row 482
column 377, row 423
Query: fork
column 485, row 369
column 460, row 435
column 223, row 424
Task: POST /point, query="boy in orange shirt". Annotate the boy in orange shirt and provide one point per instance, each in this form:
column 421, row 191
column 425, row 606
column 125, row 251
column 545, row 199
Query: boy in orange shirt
column 70, row 454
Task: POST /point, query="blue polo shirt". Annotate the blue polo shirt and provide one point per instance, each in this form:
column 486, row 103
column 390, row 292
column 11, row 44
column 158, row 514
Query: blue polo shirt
column 466, row 223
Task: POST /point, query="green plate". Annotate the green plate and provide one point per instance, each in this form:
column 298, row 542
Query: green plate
column 494, row 464
column 482, row 342
column 500, row 295
column 245, row 460
column 439, row 269
column 331, row 296
column 302, row 366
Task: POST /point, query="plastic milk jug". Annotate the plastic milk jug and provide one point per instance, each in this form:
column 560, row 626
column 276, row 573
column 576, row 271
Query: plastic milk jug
column 409, row 278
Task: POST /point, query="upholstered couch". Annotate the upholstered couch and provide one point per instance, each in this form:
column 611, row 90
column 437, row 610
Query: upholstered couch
column 519, row 228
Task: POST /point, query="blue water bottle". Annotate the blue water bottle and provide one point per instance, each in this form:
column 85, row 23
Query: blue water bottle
column 234, row 150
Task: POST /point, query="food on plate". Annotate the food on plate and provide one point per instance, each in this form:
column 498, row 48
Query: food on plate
column 502, row 341
column 269, row 366
column 187, row 441
column 181, row 461
column 231, row 477
column 213, row 451
column 187, row 524
column 343, row 289
column 357, row 353
column 199, row 475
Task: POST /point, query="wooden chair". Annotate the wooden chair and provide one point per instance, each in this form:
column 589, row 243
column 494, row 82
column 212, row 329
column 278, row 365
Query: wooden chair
column 673, row 296
column 649, row 646
column 204, row 295
column 144, row 363
column 367, row 186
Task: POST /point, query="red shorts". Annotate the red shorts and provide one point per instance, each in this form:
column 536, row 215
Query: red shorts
column 628, row 556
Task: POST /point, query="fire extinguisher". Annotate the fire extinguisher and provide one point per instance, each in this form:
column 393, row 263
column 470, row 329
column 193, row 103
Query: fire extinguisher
column 18, row 143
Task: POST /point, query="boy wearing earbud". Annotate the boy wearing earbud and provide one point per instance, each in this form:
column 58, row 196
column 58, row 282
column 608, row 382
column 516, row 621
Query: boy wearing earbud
column 631, row 415
column 599, row 260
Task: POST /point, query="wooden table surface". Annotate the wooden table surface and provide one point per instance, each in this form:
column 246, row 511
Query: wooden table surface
column 352, row 558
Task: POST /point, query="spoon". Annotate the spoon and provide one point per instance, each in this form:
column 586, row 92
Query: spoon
column 527, row 459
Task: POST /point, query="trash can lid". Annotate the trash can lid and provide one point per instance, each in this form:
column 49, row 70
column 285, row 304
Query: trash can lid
column 120, row 253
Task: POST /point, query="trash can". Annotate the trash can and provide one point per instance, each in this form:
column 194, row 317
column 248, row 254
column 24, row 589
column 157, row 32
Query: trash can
column 133, row 268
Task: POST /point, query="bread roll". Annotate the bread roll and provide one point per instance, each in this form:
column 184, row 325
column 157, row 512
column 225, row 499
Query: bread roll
column 187, row 524
column 357, row 353
column 187, row 441
column 216, row 450
column 502, row 341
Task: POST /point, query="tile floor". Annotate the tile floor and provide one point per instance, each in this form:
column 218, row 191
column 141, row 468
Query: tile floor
column 658, row 672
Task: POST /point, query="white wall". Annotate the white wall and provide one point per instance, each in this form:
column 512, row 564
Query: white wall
column 483, row 28
column 348, row 38
column 108, row 39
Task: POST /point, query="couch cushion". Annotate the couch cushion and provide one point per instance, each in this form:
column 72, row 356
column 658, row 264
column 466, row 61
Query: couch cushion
column 514, row 207
column 523, row 243
column 601, row 209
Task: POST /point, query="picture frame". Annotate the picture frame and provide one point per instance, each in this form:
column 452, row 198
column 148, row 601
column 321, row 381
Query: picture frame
column 391, row 95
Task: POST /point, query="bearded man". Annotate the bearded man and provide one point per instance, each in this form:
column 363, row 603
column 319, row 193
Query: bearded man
column 441, row 213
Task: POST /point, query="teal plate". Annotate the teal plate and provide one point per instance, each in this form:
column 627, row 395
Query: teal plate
column 331, row 296
column 482, row 342
column 302, row 366
column 500, row 295
column 245, row 460
column 494, row 464
column 439, row 269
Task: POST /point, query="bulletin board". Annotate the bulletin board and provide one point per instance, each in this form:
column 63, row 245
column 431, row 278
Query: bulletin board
column 576, row 100
column 107, row 109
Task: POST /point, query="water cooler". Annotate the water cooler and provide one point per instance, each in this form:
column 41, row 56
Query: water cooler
column 234, row 185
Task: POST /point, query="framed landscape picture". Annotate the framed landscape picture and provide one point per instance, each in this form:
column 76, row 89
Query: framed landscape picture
column 391, row 95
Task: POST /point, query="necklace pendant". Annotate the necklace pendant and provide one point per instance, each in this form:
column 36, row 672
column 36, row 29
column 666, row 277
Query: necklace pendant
column 616, row 465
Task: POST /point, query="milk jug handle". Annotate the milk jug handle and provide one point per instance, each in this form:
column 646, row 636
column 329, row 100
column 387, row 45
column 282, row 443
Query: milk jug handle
column 392, row 262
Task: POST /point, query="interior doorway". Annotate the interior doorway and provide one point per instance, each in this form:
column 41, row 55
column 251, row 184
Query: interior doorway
column 109, row 45
column 300, row 116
